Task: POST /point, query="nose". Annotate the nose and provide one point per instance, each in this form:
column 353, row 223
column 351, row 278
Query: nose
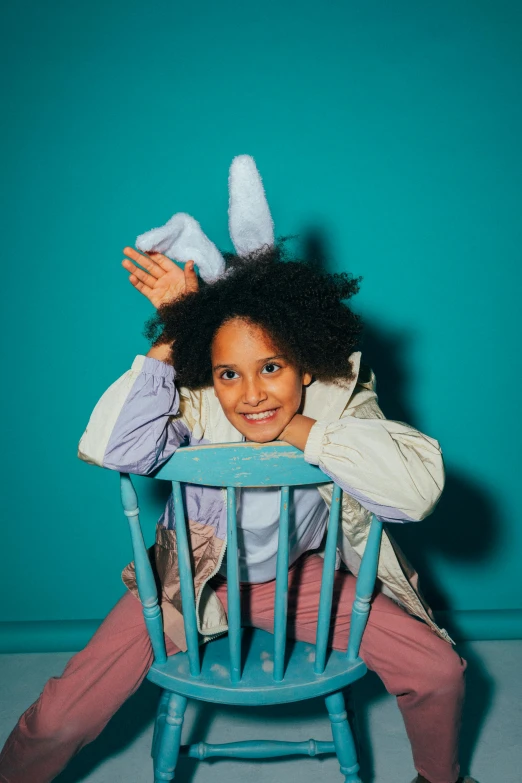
column 253, row 392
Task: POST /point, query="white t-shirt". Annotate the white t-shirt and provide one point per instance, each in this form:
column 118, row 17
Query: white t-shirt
column 258, row 529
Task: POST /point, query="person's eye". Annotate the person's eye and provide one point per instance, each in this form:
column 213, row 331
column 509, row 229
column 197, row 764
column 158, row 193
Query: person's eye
column 229, row 375
column 271, row 367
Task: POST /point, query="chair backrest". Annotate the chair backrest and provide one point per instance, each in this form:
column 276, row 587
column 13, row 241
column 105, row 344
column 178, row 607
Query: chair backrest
column 248, row 465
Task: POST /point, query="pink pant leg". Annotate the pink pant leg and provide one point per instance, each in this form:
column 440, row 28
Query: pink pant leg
column 74, row 708
column 418, row 667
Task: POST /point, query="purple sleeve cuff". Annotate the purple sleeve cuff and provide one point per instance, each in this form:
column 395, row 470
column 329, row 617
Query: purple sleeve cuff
column 150, row 366
column 144, row 435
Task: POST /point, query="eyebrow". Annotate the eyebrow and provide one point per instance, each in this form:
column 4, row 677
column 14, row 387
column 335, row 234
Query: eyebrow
column 234, row 366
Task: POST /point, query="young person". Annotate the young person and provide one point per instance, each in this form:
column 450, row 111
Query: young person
column 265, row 352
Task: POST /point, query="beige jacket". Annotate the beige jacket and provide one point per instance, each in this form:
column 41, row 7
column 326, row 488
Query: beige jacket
column 386, row 468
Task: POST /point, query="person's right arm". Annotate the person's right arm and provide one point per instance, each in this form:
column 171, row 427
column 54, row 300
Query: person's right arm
column 131, row 428
column 161, row 352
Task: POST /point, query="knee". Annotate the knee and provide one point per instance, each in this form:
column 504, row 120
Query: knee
column 51, row 721
column 46, row 722
column 445, row 676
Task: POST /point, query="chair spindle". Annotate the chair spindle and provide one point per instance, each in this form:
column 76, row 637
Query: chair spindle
column 186, row 582
column 281, row 592
column 327, row 582
column 364, row 588
column 144, row 576
column 233, row 597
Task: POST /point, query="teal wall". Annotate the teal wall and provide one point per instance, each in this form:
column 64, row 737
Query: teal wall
column 388, row 136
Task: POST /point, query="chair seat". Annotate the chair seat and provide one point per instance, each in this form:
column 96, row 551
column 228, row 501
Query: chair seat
column 257, row 685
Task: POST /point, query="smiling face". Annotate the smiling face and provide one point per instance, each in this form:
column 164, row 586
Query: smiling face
column 258, row 388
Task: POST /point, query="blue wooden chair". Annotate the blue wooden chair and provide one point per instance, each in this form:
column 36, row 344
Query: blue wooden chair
column 222, row 676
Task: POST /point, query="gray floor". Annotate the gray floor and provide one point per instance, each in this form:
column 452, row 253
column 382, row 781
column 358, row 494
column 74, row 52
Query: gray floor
column 491, row 746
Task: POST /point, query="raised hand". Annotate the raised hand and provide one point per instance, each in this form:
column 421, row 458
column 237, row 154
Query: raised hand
column 163, row 281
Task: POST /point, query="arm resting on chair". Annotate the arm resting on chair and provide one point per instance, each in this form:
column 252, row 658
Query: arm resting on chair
column 390, row 468
column 131, row 428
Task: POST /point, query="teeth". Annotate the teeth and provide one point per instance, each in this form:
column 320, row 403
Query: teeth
column 257, row 416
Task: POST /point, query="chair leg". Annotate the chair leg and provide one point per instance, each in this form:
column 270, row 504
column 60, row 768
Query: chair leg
column 342, row 737
column 353, row 719
column 161, row 714
column 169, row 740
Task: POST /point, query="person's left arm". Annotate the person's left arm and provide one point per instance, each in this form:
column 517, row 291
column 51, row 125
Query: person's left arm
column 390, row 468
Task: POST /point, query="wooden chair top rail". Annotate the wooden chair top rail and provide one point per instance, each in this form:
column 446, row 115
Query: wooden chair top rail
column 272, row 464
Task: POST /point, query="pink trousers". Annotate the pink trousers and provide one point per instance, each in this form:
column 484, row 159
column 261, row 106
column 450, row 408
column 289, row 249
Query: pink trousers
column 420, row 669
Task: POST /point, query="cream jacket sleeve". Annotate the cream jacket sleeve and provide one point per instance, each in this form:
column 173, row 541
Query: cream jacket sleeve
column 390, row 468
column 136, row 425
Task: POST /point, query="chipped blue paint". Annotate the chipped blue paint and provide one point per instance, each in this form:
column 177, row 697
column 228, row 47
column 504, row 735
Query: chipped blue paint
column 241, row 467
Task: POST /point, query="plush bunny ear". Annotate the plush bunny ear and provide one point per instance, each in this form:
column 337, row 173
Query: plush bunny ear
column 249, row 220
column 182, row 239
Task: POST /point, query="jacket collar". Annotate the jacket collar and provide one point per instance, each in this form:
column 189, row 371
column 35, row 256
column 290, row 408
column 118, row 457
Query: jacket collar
column 327, row 401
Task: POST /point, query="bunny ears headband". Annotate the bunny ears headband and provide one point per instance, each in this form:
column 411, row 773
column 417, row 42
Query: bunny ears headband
column 249, row 222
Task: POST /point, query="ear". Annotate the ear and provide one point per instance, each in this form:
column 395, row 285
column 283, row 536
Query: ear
column 307, row 379
column 249, row 220
column 182, row 239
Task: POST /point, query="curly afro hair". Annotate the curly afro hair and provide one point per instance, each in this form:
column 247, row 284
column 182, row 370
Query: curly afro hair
column 300, row 307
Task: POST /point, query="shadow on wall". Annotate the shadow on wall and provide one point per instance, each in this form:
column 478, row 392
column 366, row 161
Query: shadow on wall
column 465, row 526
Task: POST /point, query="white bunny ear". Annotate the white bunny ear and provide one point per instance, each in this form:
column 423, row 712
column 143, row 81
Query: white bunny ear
column 249, row 220
column 182, row 239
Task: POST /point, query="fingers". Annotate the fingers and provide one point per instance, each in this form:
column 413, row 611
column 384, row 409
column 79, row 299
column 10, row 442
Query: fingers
column 162, row 261
column 156, row 263
column 191, row 279
column 145, row 260
column 163, row 280
column 140, row 274
column 141, row 287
